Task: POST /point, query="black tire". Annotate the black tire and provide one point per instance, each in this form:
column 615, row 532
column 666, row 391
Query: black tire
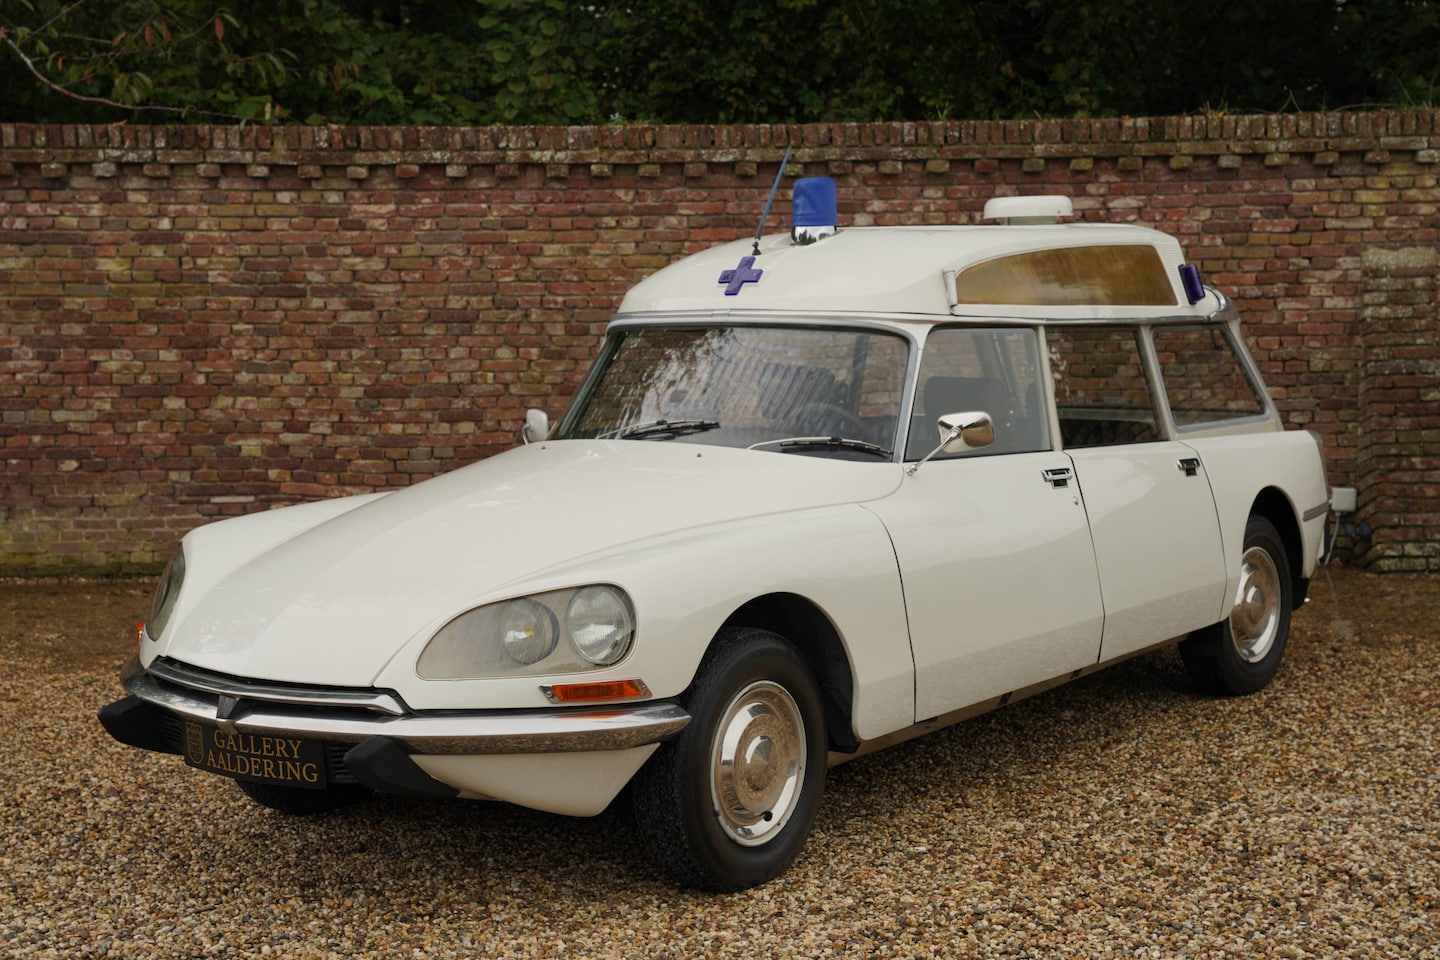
column 298, row 801
column 722, row 828
column 1240, row 654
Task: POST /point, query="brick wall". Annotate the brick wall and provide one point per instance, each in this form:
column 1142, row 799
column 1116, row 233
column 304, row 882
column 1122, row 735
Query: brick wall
column 204, row 321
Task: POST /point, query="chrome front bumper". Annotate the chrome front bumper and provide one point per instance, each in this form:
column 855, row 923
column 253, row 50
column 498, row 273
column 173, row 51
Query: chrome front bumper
column 275, row 711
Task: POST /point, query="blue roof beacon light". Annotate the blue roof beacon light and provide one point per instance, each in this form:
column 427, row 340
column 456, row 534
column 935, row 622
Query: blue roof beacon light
column 1190, row 280
column 812, row 210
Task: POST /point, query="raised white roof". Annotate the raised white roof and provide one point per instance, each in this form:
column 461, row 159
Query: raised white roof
column 892, row 270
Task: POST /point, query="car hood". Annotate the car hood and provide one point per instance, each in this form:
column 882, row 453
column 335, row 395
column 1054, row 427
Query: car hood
column 334, row 603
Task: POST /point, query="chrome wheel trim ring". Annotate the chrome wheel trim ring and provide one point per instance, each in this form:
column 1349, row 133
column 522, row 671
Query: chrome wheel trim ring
column 757, row 763
column 1255, row 618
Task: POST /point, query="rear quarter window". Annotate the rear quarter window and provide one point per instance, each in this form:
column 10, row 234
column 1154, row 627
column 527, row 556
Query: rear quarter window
column 1205, row 380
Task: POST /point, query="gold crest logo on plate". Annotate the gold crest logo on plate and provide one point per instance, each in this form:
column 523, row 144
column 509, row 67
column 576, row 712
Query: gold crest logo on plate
column 194, row 743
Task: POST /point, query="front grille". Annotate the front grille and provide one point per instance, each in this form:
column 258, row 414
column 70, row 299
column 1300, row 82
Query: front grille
column 196, row 679
column 172, row 729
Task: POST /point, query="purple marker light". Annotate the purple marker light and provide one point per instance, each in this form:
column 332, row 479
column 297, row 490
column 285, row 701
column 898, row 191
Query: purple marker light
column 1190, row 280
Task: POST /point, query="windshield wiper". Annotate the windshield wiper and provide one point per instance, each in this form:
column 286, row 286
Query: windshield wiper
column 795, row 443
column 662, row 429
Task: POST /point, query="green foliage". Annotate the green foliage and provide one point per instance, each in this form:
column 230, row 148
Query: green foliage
column 1393, row 50
column 475, row 62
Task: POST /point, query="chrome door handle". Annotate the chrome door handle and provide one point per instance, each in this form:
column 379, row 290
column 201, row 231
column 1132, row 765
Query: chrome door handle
column 1058, row 476
column 1189, row 466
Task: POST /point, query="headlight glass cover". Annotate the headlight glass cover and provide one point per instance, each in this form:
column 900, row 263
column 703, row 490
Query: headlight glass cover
column 527, row 630
column 560, row 631
column 166, row 593
column 600, row 623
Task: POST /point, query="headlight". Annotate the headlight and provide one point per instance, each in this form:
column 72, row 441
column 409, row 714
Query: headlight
column 521, row 637
column 165, row 595
column 600, row 623
column 527, row 630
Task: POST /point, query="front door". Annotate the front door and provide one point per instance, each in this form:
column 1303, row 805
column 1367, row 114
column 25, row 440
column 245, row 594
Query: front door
column 999, row 576
column 993, row 546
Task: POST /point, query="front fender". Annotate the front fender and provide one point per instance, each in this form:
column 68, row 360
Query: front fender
column 684, row 587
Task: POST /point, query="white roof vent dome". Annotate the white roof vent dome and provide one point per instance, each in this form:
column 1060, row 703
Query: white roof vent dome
column 1028, row 210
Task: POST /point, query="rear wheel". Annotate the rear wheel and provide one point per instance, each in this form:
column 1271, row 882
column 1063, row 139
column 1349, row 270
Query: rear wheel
column 299, row 801
column 729, row 803
column 1241, row 653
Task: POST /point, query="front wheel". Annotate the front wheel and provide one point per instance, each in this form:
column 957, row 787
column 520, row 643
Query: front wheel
column 730, row 801
column 1241, row 653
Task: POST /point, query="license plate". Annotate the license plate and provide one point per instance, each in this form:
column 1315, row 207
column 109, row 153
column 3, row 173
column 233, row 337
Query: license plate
column 289, row 761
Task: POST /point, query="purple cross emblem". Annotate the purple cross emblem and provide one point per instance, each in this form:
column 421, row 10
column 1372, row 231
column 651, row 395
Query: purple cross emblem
column 741, row 275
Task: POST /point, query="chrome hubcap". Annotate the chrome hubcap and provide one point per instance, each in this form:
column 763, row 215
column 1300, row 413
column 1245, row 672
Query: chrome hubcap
column 1255, row 620
column 757, row 763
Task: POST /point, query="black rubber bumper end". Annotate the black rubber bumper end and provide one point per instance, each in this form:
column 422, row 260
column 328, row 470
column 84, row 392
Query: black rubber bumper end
column 135, row 723
column 385, row 766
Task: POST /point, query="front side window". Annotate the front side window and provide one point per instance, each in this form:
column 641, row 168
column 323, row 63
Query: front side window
column 819, row 391
column 1205, row 382
column 1101, row 392
column 967, row 370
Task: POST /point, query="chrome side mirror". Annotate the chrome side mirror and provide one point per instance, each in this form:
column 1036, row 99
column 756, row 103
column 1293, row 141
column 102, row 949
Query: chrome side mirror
column 959, row 432
column 536, row 426
column 965, row 431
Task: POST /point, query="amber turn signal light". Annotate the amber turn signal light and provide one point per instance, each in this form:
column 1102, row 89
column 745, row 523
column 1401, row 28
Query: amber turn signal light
column 597, row 692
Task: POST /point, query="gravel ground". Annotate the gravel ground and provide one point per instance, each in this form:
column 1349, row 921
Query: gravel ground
column 1121, row 816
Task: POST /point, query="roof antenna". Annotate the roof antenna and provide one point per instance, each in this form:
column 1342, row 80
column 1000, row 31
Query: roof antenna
column 773, row 189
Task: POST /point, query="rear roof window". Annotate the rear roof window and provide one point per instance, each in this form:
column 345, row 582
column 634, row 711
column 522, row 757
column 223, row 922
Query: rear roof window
column 1116, row 275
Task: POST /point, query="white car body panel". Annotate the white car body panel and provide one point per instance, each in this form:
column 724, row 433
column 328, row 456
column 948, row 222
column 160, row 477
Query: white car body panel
column 282, row 615
column 890, row 270
column 573, row 784
column 1157, row 543
column 1293, row 468
column 838, row 557
column 973, row 536
column 219, row 549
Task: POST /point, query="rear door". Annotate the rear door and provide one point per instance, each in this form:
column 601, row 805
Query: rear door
column 1152, row 515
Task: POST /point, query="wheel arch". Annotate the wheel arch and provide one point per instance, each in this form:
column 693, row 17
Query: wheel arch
column 1272, row 504
column 804, row 624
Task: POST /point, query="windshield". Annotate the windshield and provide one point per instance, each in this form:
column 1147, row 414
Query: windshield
column 788, row 389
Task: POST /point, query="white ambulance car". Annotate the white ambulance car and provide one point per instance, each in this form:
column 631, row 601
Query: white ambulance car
column 819, row 494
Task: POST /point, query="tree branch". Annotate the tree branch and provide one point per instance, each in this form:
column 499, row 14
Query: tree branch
column 104, row 101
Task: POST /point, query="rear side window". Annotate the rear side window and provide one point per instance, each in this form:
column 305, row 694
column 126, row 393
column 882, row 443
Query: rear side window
column 1101, row 393
column 1205, row 381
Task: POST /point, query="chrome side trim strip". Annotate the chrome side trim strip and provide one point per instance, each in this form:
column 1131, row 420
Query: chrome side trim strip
column 578, row 729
